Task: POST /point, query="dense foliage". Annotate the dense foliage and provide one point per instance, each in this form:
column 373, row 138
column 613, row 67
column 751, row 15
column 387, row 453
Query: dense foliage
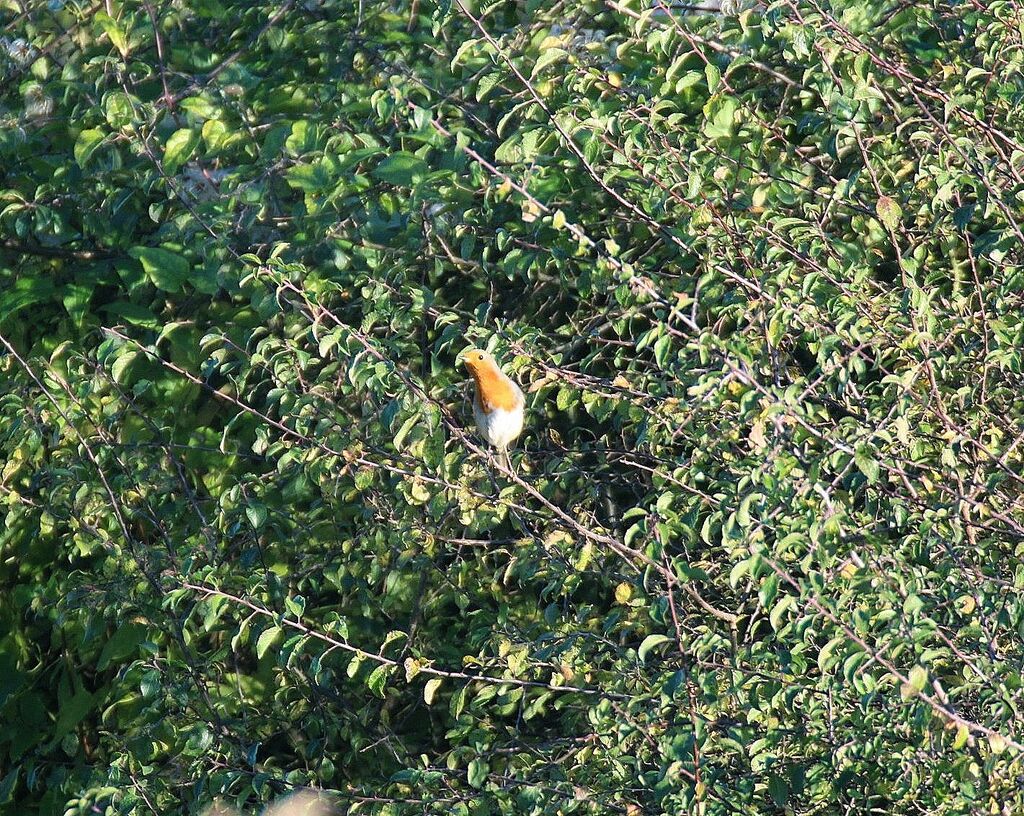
column 760, row 275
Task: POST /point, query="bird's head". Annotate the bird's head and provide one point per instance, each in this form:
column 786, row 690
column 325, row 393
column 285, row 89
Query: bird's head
column 477, row 360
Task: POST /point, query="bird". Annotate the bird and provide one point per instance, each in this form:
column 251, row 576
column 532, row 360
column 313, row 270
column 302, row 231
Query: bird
column 499, row 406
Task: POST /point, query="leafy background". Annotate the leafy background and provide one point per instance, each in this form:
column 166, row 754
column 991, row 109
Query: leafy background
column 759, row 272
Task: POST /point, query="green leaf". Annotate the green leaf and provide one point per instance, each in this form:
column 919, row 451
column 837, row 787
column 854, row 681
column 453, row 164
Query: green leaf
column 477, row 772
column 149, row 685
column 739, row 569
column 354, row 665
column 8, row 784
column 133, row 313
column 201, row 106
column 689, row 572
column 688, row 80
column 825, row 662
column 769, row 589
column 77, row 298
column 118, row 109
column 549, row 57
column 166, row 269
column 215, row 134
column 310, row 178
column 257, row 515
column 720, row 113
column 918, row 678
column 86, row 144
column 123, row 366
column 378, row 679
column 778, row 787
column 464, row 49
column 662, row 348
column 71, row 712
column 457, row 703
column 486, row 84
column 912, row 605
column 779, row 610
column 113, row 30
column 403, row 432
column 302, row 139
column 713, row 75
column 295, row 605
column 401, row 169
column 866, row 463
column 649, row 643
column 179, row 149
column 23, row 293
column 267, row 639
column 123, row 644
column 337, row 626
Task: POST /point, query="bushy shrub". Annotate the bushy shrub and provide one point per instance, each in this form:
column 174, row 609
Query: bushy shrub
column 759, row 274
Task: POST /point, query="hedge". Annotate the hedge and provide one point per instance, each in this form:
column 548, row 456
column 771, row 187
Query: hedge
column 759, row 273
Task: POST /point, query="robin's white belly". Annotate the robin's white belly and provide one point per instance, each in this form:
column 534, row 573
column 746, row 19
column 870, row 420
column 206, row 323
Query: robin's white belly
column 499, row 427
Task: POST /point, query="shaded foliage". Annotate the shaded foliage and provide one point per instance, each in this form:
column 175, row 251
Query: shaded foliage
column 759, row 273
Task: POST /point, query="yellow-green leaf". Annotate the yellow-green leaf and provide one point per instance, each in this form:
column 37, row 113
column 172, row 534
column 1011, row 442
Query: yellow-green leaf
column 179, row 149
column 86, row 144
column 430, row 689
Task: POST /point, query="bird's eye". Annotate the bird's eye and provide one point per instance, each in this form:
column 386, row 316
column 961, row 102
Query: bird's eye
column 479, row 356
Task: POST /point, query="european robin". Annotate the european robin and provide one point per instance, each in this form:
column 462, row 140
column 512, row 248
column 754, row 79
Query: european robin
column 499, row 405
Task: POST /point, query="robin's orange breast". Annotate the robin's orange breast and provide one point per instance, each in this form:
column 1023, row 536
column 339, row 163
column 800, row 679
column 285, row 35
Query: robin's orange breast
column 495, row 390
